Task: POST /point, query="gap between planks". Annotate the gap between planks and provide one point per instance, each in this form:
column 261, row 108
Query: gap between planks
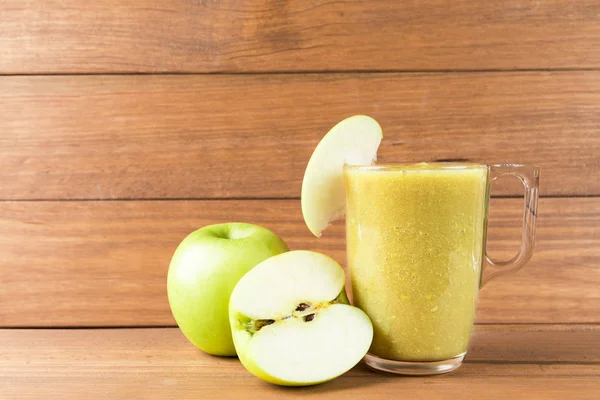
column 556, row 196
column 548, row 326
column 314, row 72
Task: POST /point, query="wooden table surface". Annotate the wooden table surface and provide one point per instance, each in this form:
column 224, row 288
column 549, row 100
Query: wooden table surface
column 544, row 361
column 127, row 124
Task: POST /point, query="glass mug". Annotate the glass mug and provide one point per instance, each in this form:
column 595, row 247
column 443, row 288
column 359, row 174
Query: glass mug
column 415, row 237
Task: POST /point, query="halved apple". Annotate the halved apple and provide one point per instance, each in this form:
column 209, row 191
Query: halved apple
column 292, row 323
column 353, row 141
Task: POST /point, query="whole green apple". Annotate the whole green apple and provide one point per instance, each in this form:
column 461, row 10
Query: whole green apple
column 205, row 268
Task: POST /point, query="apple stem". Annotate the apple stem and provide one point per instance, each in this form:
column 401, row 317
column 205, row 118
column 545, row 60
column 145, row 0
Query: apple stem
column 259, row 324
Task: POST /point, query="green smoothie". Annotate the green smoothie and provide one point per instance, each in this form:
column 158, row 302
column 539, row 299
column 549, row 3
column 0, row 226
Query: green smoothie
column 415, row 243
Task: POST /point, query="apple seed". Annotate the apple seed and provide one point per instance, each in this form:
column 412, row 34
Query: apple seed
column 302, row 307
column 309, row 317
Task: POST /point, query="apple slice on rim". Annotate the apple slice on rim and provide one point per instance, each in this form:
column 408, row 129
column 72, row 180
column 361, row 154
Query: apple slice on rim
column 353, row 141
column 292, row 323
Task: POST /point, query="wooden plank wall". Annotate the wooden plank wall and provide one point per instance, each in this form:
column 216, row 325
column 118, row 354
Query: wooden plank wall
column 124, row 125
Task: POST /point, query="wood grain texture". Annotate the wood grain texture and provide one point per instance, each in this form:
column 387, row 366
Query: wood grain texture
column 160, row 363
column 105, row 263
column 69, row 36
column 250, row 136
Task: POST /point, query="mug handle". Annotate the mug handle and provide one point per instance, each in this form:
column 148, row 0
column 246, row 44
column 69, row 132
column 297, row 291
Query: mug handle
column 529, row 175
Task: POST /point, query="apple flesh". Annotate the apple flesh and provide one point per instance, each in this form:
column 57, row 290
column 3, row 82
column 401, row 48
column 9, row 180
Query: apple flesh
column 292, row 323
column 203, row 272
column 353, row 141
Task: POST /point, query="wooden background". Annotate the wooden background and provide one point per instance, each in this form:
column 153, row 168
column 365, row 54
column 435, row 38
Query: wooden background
column 125, row 125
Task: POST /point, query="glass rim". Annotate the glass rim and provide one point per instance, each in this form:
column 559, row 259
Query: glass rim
column 421, row 166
